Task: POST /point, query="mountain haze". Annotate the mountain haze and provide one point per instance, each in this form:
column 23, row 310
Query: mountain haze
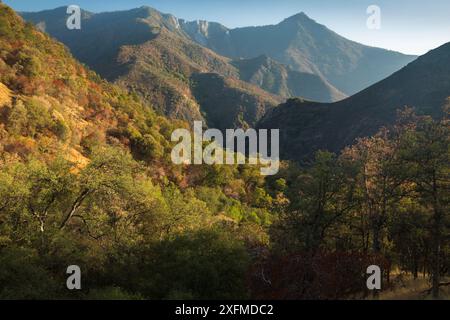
column 146, row 52
column 306, row 46
column 156, row 54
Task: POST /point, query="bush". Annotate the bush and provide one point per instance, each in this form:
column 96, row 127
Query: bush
column 61, row 129
column 202, row 265
column 22, row 276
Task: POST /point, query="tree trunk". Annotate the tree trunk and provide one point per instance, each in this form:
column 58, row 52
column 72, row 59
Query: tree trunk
column 436, row 264
column 376, row 246
column 415, row 266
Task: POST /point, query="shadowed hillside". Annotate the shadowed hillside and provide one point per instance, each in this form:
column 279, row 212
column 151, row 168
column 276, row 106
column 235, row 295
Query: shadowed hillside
column 307, row 127
column 145, row 51
column 155, row 54
column 87, row 178
column 227, row 103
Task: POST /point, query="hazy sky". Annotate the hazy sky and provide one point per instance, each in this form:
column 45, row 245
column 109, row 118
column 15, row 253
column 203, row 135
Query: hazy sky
column 409, row 26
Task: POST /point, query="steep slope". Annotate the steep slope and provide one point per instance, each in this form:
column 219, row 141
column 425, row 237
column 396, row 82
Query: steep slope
column 306, row 46
column 147, row 52
column 102, row 35
column 307, row 127
column 160, row 70
column 281, row 80
column 86, row 177
column 227, row 103
column 51, row 105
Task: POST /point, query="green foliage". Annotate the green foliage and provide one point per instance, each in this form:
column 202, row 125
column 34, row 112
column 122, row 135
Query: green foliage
column 32, row 118
column 214, row 198
column 96, row 188
column 80, row 195
column 147, row 147
column 202, row 265
column 387, row 194
column 23, row 276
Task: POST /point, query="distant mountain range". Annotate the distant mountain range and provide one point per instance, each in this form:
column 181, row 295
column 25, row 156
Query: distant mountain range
column 141, row 50
column 306, row 127
column 305, row 46
column 162, row 57
column 237, row 77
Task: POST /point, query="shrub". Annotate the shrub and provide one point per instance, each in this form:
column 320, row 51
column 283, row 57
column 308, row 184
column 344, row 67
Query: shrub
column 202, row 265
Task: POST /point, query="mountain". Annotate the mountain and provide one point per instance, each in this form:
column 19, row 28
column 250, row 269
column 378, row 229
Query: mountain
column 157, row 55
column 51, row 105
column 281, row 80
column 305, row 46
column 87, row 177
column 229, row 103
column 306, row 127
column 146, row 52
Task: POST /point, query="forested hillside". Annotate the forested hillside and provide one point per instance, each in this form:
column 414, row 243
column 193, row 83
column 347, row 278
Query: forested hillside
column 144, row 50
column 158, row 55
column 306, row 127
column 86, row 179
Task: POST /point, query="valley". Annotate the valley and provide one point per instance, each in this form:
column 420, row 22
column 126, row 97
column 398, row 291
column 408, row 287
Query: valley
column 270, row 63
column 93, row 122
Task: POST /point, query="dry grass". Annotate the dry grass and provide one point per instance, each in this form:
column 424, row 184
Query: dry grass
column 5, row 95
column 406, row 288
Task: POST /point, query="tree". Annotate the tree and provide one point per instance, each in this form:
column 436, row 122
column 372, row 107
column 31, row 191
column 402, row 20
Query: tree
column 378, row 180
column 206, row 264
column 322, row 200
column 425, row 156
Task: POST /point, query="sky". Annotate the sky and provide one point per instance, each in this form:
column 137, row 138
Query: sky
column 408, row 26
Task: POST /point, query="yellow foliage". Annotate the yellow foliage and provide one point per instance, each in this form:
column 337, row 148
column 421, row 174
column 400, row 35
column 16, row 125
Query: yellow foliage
column 5, row 95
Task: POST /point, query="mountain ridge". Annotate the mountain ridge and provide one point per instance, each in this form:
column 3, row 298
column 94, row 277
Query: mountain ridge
column 306, row 127
column 306, row 46
column 279, row 79
column 148, row 52
column 144, row 51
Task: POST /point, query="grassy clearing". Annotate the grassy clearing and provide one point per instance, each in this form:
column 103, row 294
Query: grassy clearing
column 405, row 287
